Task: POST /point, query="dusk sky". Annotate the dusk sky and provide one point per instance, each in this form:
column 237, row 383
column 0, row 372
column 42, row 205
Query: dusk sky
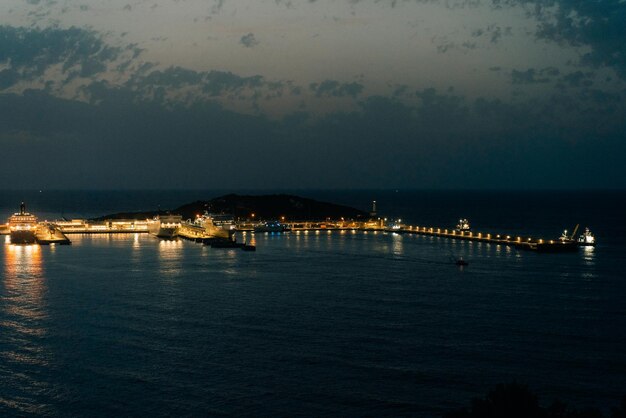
column 284, row 94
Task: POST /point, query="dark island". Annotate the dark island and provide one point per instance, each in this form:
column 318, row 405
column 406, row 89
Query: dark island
column 263, row 207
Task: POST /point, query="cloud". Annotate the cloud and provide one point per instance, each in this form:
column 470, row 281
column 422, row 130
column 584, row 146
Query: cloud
column 493, row 32
column 534, row 76
column 72, row 52
column 77, row 62
column 336, row 89
column 119, row 114
column 598, row 25
column 578, row 79
column 444, row 140
column 249, row 41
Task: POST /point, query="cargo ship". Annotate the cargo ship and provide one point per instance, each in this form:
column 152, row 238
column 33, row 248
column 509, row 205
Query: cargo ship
column 165, row 226
column 587, row 239
column 22, row 227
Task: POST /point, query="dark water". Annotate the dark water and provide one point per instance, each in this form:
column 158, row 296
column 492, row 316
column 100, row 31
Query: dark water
column 316, row 324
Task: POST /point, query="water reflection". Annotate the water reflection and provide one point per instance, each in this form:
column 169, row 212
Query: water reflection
column 136, row 244
column 589, row 255
column 22, row 261
column 23, row 307
column 589, row 261
column 170, row 257
column 398, row 248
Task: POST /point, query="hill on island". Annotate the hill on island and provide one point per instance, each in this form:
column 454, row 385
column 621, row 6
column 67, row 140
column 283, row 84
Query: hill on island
column 264, row 207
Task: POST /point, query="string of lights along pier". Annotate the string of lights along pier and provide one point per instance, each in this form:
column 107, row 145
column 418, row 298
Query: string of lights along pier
column 23, row 228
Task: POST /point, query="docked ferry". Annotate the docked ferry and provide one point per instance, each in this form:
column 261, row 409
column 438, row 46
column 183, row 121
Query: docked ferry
column 204, row 227
column 165, row 226
column 22, row 227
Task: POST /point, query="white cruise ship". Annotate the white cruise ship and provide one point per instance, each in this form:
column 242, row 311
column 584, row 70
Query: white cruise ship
column 22, row 227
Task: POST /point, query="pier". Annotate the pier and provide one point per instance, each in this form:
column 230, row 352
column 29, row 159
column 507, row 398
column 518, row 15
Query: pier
column 525, row 243
column 47, row 233
column 57, row 231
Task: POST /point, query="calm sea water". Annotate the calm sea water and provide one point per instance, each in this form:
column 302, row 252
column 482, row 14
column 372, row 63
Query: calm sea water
column 313, row 324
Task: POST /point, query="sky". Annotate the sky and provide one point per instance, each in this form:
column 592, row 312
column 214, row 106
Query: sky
column 322, row 94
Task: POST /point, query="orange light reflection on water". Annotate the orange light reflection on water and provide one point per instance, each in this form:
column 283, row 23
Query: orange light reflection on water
column 22, row 261
column 170, row 256
column 24, row 281
column 23, row 304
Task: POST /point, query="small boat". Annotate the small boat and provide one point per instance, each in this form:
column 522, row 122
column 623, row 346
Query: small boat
column 224, row 243
column 248, row 247
column 587, row 239
column 460, row 262
column 463, row 226
column 271, row 227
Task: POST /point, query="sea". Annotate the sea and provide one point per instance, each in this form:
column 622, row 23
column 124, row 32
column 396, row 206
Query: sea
column 313, row 324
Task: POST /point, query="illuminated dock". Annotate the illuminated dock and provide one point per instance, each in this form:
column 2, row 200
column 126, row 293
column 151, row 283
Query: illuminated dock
column 57, row 231
column 525, row 243
column 47, row 234
column 113, row 226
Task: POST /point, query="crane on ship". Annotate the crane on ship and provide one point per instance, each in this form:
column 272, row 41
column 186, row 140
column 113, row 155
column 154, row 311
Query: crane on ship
column 568, row 238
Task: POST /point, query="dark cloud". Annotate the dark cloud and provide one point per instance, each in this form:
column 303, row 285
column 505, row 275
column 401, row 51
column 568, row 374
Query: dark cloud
column 31, row 52
column 164, row 128
column 596, row 24
column 444, row 140
column 8, row 78
column 336, row 89
column 534, row 76
column 578, row 79
column 249, row 41
column 493, row 32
